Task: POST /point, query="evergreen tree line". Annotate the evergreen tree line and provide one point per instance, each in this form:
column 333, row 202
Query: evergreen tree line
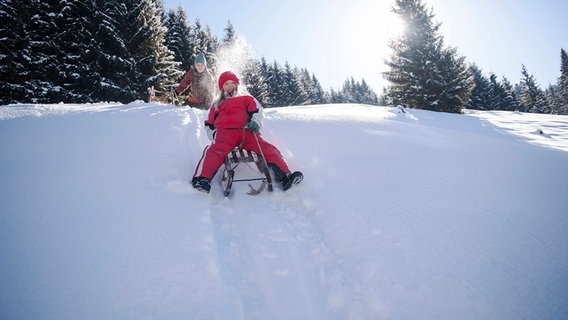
column 491, row 94
column 79, row 51
column 82, row 50
column 426, row 74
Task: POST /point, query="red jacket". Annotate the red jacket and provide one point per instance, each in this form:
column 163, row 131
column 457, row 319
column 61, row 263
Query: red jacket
column 200, row 86
column 233, row 113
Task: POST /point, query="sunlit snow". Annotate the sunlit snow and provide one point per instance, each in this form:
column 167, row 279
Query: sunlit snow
column 416, row 215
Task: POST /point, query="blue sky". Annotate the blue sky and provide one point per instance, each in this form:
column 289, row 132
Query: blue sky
column 337, row 39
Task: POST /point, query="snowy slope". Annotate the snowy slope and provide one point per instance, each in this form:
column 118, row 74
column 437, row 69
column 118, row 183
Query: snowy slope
column 400, row 216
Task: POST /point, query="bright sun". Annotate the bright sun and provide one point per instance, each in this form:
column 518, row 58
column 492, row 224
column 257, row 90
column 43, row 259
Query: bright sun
column 370, row 25
column 394, row 26
column 358, row 40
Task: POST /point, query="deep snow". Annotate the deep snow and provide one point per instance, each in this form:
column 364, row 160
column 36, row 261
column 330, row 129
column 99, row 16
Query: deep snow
column 416, row 215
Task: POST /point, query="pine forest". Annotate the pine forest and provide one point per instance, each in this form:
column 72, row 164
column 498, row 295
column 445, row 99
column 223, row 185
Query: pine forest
column 85, row 51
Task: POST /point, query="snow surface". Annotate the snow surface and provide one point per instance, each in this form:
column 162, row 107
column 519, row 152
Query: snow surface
column 416, row 215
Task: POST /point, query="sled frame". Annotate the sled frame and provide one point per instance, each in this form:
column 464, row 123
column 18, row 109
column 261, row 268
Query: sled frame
column 164, row 97
column 238, row 156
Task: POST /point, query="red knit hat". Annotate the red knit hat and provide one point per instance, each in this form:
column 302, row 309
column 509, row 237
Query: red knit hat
column 226, row 76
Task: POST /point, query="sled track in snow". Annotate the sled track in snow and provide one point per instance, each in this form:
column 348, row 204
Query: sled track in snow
column 274, row 264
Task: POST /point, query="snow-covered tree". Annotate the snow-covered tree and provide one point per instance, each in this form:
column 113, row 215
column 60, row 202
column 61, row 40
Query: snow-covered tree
column 204, row 41
column 230, row 33
column 480, row 97
column 511, row 102
column 274, row 81
column 318, row 95
column 424, row 74
column 289, row 85
column 532, row 98
column 335, row 97
column 368, row 96
column 132, row 54
column 115, row 67
column 355, row 92
column 264, row 71
column 78, row 51
column 563, row 81
column 554, row 99
column 14, row 50
column 255, row 82
column 497, row 93
column 154, row 61
column 293, row 90
column 33, row 57
column 113, row 50
column 315, row 93
column 178, row 37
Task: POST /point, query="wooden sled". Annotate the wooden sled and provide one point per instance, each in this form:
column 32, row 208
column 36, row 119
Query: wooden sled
column 163, row 97
column 241, row 156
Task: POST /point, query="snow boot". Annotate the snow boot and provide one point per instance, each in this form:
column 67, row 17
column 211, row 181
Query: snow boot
column 286, row 180
column 291, row 179
column 201, row 184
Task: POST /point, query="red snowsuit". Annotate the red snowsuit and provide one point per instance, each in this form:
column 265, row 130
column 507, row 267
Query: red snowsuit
column 227, row 121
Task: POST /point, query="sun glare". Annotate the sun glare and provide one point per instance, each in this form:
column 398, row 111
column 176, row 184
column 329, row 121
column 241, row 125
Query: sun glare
column 359, row 43
column 370, row 25
column 394, row 26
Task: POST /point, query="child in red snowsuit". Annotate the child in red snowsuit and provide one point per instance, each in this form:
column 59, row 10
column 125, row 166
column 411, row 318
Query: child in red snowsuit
column 235, row 120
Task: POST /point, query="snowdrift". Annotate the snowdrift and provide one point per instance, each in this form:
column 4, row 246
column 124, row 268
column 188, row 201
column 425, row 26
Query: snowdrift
column 415, row 215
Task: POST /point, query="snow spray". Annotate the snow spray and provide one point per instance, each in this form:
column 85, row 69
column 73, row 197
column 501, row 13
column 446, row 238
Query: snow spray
column 236, row 56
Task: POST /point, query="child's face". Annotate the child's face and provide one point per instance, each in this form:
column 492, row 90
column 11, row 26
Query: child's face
column 200, row 67
column 229, row 86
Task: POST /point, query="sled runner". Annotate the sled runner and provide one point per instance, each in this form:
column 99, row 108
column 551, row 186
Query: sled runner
column 164, row 97
column 239, row 156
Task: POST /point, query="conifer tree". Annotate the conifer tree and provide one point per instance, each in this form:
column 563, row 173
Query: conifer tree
column 368, row 96
column 554, row 99
column 255, row 83
column 178, row 37
column 276, row 85
column 455, row 82
column 511, row 102
column 305, row 81
column 293, row 91
column 317, row 94
column 334, row 97
column 497, row 94
column 563, row 81
column 383, row 98
column 532, row 98
column 230, row 34
column 423, row 73
column 348, row 93
column 154, row 60
column 78, row 50
column 31, row 55
column 44, row 64
column 302, row 96
column 264, row 71
column 14, row 48
column 288, row 86
column 355, row 92
column 480, row 97
column 116, row 68
column 204, row 41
